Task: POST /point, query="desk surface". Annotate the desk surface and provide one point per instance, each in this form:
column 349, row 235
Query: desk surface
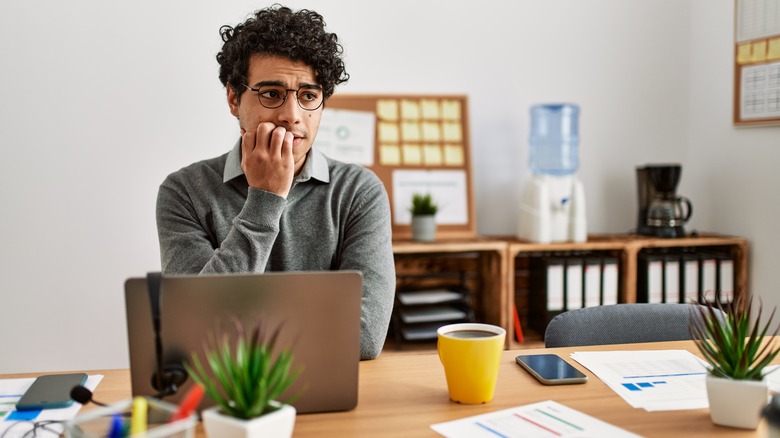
column 402, row 395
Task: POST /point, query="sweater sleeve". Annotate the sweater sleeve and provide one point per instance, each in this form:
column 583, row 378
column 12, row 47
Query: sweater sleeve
column 368, row 248
column 186, row 245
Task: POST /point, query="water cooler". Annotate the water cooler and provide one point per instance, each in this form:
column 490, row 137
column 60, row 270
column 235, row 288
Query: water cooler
column 552, row 206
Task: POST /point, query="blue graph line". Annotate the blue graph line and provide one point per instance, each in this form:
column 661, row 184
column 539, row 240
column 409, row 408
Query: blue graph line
column 491, row 430
column 664, row 375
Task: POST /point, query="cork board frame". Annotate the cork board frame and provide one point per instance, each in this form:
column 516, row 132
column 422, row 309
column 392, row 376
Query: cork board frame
column 756, row 62
column 419, row 134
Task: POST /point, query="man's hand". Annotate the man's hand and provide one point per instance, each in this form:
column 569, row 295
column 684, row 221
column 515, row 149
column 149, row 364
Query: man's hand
column 267, row 158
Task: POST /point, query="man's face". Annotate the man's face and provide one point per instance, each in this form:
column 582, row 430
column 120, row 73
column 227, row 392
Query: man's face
column 290, row 75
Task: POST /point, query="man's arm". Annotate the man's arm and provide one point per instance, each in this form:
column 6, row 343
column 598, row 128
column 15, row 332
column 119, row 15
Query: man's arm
column 368, row 248
column 187, row 247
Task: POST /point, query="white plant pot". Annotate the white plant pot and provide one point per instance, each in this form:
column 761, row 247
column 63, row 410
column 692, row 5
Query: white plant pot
column 277, row 424
column 736, row 403
column 424, row 228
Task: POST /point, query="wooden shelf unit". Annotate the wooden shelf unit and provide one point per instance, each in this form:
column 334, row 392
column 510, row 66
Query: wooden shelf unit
column 627, row 246
column 488, row 264
column 496, row 257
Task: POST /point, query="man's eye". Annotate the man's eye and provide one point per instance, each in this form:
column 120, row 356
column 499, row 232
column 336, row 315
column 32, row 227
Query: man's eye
column 308, row 95
column 270, row 94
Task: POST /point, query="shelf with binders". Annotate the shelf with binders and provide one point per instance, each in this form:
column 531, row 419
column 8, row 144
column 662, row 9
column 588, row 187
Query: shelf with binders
column 527, row 261
column 558, row 281
column 686, row 274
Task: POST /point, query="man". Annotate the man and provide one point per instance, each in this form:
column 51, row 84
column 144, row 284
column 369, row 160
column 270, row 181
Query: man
column 274, row 203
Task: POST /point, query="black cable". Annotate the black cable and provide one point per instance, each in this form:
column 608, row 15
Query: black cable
column 32, row 433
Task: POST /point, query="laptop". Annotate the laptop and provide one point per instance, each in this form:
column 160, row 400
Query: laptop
column 320, row 313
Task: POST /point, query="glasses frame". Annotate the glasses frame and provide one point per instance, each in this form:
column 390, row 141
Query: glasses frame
column 287, row 93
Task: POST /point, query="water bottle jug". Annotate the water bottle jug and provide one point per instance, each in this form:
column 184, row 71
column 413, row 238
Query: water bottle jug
column 554, row 139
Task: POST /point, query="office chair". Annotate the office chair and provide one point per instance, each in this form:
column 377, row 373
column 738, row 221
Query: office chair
column 620, row 324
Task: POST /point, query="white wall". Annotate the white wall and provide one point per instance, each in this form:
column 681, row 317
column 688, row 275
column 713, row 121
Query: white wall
column 731, row 173
column 100, row 100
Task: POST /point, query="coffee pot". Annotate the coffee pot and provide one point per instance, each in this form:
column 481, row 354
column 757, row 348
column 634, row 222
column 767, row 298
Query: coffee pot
column 662, row 213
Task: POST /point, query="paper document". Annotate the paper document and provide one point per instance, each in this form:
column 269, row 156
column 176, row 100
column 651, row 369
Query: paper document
column 656, row 380
column 543, row 419
column 15, row 424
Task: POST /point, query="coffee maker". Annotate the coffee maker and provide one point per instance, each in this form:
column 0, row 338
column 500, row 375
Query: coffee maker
column 661, row 212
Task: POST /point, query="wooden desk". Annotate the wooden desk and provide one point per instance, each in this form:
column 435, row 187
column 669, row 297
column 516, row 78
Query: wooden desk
column 402, row 395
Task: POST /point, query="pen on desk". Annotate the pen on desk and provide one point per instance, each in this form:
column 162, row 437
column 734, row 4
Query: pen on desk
column 117, row 427
column 188, row 404
column 138, row 422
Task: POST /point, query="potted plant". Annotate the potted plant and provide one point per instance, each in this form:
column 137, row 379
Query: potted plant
column 245, row 378
column 423, row 217
column 737, row 351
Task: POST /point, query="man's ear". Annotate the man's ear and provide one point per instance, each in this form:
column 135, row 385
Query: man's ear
column 233, row 100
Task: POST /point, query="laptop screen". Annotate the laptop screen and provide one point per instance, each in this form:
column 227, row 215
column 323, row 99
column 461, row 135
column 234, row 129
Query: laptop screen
column 319, row 312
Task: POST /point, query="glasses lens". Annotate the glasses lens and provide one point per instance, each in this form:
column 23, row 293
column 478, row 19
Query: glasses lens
column 309, row 98
column 271, row 97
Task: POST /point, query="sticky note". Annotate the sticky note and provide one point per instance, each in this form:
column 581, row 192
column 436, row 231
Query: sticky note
column 410, row 110
column 452, row 132
column 411, row 154
column 453, row 155
column 410, row 131
column 744, row 52
column 387, row 109
column 432, row 155
column 430, row 109
column 773, row 50
column 431, row 131
column 759, row 51
column 390, row 155
column 388, row 133
column 450, row 110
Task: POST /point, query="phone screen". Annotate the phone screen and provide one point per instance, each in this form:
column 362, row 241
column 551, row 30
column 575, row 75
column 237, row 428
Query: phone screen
column 551, row 369
column 50, row 391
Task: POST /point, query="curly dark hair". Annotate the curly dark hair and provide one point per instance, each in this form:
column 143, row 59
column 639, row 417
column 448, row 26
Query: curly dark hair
column 278, row 31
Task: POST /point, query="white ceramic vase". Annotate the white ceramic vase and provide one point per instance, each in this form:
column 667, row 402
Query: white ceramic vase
column 277, row 424
column 424, row 227
column 736, row 403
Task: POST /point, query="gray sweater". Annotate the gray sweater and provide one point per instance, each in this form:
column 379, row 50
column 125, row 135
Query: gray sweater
column 336, row 217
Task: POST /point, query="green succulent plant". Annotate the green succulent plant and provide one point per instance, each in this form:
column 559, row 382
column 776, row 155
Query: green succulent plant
column 247, row 373
column 423, row 204
column 734, row 347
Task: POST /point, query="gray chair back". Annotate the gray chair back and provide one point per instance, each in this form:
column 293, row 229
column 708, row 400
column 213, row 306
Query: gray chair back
column 620, row 324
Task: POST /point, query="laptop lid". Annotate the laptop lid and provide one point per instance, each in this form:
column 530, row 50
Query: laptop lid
column 320, row 313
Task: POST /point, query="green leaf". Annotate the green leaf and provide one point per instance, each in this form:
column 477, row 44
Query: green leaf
column 245, row 372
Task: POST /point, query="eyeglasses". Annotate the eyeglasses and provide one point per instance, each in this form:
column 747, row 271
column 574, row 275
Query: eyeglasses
column 273, row 96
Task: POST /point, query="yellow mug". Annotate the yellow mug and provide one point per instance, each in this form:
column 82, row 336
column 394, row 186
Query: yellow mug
column 471, row 354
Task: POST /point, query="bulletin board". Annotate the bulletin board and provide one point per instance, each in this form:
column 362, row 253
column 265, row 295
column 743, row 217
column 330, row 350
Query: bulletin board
column 757, row 62
column 420, row 145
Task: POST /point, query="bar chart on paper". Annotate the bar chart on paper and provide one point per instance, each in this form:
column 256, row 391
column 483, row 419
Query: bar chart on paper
column 661, row 380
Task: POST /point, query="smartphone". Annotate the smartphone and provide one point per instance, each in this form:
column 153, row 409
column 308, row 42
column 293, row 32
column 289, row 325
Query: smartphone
column 550, row 369
column 50, row 391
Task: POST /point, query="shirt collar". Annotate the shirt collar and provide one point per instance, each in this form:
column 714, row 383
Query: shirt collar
column 316, row 166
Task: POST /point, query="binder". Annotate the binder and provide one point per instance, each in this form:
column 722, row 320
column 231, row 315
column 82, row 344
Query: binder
column 592, row 281
column 554, row 270
column 650, row 271
column 708, row 270
column 689, row 278
column 671, row 284
column 726, row 278
column 609, row 281
column 573, row 291
column 546, row 290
